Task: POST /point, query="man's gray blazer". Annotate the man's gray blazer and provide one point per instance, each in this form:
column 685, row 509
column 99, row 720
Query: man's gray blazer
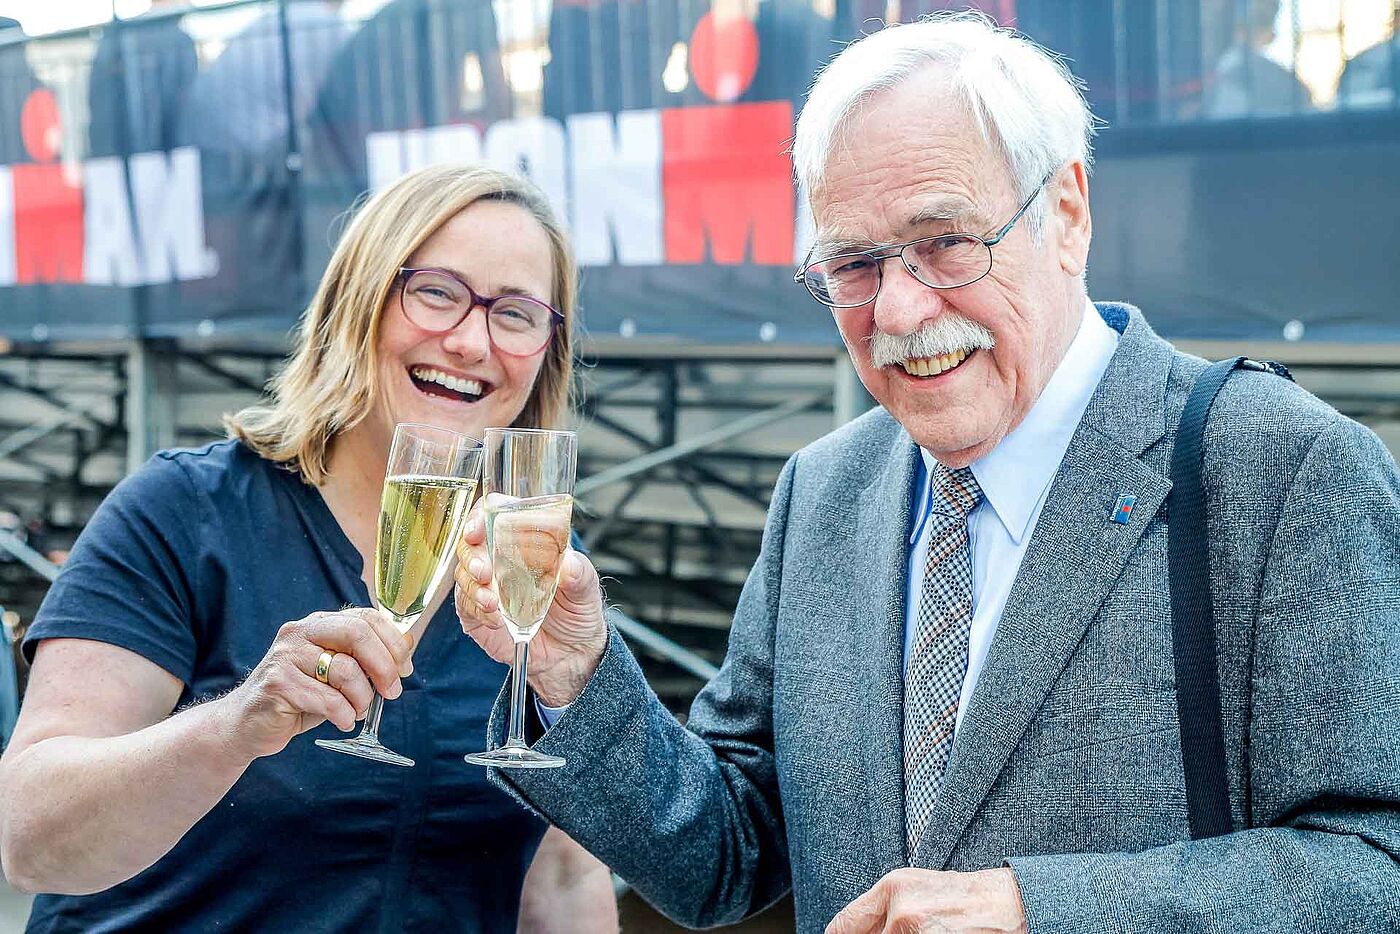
column 1067, row 766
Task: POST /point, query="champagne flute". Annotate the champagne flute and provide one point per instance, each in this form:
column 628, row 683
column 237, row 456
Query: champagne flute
column 428, row 487
column 528, row 485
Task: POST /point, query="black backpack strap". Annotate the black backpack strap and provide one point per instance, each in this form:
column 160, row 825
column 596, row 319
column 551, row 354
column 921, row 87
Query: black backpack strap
column 1193, row 613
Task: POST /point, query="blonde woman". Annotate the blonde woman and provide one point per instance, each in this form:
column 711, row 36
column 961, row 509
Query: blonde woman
column 162, row 775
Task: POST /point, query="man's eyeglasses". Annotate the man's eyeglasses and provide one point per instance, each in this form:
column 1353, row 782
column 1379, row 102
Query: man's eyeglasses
column 438, row 300
column 951, row 261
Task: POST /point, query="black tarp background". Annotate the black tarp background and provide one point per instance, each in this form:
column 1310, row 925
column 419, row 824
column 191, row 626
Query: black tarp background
column 1249, row 228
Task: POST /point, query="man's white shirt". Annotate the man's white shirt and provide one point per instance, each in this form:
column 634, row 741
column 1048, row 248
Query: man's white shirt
column 1015, row 478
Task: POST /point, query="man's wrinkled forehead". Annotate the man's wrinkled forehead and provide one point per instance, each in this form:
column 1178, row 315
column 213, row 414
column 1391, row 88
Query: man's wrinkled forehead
column 910, row 161
column 848, row 228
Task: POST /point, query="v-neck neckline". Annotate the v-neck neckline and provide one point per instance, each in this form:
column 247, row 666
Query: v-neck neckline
column 333, row 536
column 323, row 525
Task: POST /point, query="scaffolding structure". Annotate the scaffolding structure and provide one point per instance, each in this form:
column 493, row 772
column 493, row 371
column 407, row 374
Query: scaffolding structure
column 679, row 455
column 720, row 367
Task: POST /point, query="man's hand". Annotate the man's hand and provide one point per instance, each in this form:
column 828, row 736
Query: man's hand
column 566, row 650
column 922, row 901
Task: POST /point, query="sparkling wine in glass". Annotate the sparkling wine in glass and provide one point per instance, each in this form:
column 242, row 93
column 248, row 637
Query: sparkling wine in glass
column 431, row 479
column 528, row 504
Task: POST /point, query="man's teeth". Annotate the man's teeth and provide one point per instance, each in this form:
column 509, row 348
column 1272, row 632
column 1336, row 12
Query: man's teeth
column 932, row 366
column 470, row 387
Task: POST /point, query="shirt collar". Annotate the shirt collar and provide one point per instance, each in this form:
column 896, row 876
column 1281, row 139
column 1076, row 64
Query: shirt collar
column 1016, row 474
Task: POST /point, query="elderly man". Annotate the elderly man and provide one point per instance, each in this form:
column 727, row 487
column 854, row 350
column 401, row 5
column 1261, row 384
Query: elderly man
column 949, row 700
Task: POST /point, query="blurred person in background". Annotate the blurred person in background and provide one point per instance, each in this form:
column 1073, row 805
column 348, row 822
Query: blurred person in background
column 240, row 116
column 1370, row 79
column 949, row 700
column 795, row 40
column 413, row 64
column 1246, row 82
column 163, row 774
column 16, row 82
column 141, row 73
column 239, row 102
column 596, row 63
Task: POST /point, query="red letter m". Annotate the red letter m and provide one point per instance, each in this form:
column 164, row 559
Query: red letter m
column 726, row 176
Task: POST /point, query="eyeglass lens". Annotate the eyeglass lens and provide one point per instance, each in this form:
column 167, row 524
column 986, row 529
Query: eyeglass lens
column 939, row 262
column 438, row 302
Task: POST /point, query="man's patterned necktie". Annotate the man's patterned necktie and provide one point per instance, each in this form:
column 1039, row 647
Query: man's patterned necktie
column 938, row 657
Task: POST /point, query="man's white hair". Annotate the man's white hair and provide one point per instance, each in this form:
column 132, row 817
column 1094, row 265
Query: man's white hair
column 1024, row 100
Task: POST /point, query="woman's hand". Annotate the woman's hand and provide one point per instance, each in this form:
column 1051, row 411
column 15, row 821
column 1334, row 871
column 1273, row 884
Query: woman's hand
column 566, row 650
column 282, row 697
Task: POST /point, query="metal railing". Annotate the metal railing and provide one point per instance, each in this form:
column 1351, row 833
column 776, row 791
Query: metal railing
column 36, row 562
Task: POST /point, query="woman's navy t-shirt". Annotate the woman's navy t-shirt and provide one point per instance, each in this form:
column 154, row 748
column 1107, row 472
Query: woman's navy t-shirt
column 194, row 562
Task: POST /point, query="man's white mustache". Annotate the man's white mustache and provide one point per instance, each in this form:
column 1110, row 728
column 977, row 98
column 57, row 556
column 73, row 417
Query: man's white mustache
column 946, row 334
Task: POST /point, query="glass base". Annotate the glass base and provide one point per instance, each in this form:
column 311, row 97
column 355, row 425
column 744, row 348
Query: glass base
column 515, row 757
column 366, row 748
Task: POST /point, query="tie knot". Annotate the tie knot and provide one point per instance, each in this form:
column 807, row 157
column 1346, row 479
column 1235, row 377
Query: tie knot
column 955, row 491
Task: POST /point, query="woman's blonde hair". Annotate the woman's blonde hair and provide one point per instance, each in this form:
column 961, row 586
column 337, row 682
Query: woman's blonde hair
column 329, row 382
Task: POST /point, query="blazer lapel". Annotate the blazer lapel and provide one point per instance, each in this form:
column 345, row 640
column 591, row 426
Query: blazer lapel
column 879, row 562
column 1049, row 610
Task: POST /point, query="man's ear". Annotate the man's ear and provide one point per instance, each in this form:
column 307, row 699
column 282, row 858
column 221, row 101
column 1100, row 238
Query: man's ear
column 1069, row 205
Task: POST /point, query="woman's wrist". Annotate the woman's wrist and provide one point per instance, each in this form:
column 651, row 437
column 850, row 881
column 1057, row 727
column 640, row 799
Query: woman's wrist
column 217, row 726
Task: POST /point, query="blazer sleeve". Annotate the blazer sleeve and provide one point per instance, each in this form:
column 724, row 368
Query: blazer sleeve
column 688, row 815
column 1323, row 851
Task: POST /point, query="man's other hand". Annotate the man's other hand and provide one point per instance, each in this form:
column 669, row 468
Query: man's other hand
column 922, row 901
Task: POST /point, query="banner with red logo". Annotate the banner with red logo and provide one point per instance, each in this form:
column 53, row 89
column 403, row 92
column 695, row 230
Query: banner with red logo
column 673, row 177
column 158, row 178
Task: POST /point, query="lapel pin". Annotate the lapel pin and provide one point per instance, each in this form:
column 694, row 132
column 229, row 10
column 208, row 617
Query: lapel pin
column 1124, row 510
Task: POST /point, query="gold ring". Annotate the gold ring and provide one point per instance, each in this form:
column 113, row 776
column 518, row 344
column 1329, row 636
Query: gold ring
column 323, row 667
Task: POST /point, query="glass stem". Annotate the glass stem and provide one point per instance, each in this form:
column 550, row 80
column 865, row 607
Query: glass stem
column 376, row 706
column 376, row 710
column 516, row 739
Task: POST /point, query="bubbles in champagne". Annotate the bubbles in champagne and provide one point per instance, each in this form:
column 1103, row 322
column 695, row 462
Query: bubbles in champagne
column 527, row 539
column 420, row 520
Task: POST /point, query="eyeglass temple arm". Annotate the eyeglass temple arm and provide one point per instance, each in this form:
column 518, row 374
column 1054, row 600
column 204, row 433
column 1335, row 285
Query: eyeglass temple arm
column 1025, row 206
